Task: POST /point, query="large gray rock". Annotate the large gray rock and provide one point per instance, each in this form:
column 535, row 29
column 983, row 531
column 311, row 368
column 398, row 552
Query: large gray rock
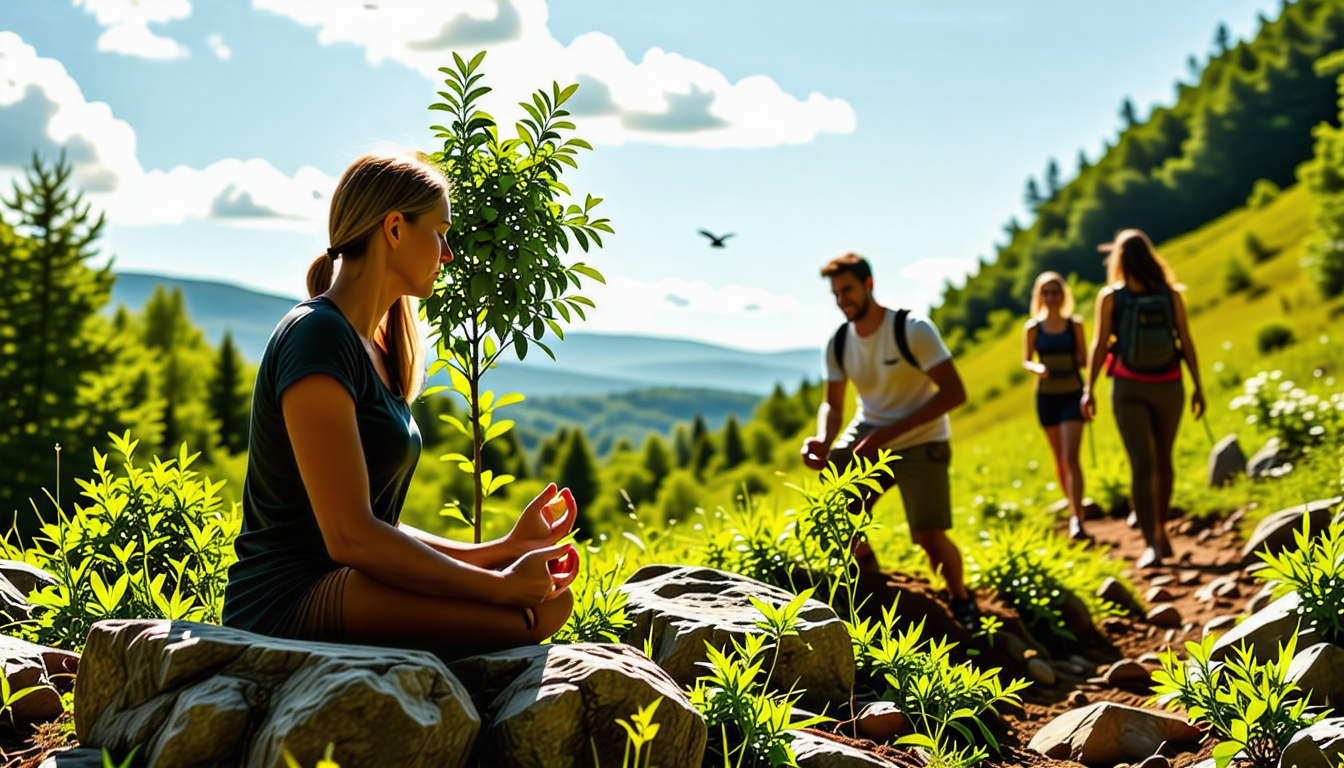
column 1270, row 457
column 682, row 608
column 1226, row 461
column 201, row 695
column 27, row 665
column 1109, row 733
column 25, row 577
column 1319, row 746
column 1112, row 591
column 1265, row 631
column 815, row 751
column 1319, row 673
column 1276, row 532
column 545, row 706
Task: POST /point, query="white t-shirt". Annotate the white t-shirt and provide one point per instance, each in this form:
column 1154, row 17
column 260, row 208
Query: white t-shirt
column 889, row 387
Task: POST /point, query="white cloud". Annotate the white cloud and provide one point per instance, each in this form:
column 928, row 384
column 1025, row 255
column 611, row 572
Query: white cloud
column 218, row 47
column 127, row 31
column 42, row 109
column 731, row 315
column 665, row 98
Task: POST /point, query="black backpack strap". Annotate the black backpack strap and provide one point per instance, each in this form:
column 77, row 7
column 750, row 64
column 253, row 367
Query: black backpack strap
column 838, row 345
column 901, row 342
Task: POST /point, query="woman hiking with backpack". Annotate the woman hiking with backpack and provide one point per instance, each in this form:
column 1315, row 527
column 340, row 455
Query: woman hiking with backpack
column 1141, row 323
column 1055, row 337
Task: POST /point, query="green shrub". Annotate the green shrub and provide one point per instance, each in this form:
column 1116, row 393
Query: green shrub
column 1236, row 276
column 1257, row 251
column 1249, row 705
column 756, row 545
column 1302, row 421
column 1314, row 569
column 1274, row 336
column 918, row 675
column 153, row 543
column 599, row 614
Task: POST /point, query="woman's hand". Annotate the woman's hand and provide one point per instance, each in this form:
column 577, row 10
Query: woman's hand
column 1197, row 403
column 1037, row 368
column 539, row 575
column 814, row 453
column 547, row 518
column 1088, row 405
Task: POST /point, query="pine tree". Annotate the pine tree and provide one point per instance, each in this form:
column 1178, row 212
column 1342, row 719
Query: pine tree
column 228, row 398
column 655, row 459
column 1052, row 181
column 681, row 445
column 51, row 338
column 550, row 451
column 1128, row 113
column 181, row 350
column 1083, row 162
column 1192, row 64
column 703, row 452
column 734, row 449
column 782, row 413
column 698, row 428
column 1222, row 38
column 577, row 471
column 1032, row 196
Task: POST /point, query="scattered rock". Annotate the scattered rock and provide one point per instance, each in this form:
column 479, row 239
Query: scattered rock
column 1169, row 636
column 1159, row 595
column 1188, row 578
column 544, row 704
column 1130, row 674
column 1083, row 663
column 1067, row 667
column 1223, row 586
column 1077, row 699
column 1319, row 673
column 880, row 721
column 1317, row 746
column 1116, row 625
column 1204, row 536
column 1017, row 647
column 682, row 607
column 27, row 664
column 1077, row 619
column 25, row 577
column 1220, row 624
column 1226, row 461
column 814, row 751
column 1276, row 532
column 1151, row 657
column 1109, row 733
column 74, row 757
column 1265, row 630
column 1260, row 600
column 1164, row 580
column 1112, row 591
column 1041, row 672
column 1270, row 457
column 1164, row 615
column 194, row 694
column 1156, row 761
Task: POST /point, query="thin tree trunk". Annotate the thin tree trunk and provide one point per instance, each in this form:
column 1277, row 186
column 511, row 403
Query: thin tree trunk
column 474, row 371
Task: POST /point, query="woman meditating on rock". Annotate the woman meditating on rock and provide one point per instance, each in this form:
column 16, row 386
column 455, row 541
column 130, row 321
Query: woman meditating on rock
column 1055, row 337
column 322, row 555
column 1142, row 336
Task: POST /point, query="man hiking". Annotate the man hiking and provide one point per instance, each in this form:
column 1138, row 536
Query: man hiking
column 906, row 383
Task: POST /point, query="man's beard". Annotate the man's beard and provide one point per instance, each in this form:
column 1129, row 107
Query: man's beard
column 863, row 310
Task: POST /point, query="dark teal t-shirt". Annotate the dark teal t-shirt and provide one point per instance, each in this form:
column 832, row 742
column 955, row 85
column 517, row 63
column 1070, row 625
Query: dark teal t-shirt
column 281, row 554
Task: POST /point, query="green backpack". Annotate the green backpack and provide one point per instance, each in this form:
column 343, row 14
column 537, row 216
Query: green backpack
column 1146, row 332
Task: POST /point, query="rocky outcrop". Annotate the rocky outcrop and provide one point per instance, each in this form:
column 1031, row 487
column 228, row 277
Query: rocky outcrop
column 194, row 694
column 1265, row 630
column 542, row 705
column 815, row 751
column 1276, row 532
column 1106, row 733
column 681, row 608
column 1319, row 674
column 51, row 670
column 1318, row 746
column 1226, row 462
column 1273, row 456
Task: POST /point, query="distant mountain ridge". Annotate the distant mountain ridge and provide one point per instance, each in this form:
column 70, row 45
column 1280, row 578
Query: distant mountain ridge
column 587, row 364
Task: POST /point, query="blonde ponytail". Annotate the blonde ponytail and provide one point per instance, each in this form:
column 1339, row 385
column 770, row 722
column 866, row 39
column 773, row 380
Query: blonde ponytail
column 320, row 275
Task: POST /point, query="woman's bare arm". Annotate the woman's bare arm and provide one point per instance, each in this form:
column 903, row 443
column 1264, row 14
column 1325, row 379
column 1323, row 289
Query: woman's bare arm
column 1188, row 352
column 1029, row 349
column 320, row 418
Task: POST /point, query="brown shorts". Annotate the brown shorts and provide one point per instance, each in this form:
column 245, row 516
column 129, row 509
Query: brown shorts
column 921, row 473
column 321, row 615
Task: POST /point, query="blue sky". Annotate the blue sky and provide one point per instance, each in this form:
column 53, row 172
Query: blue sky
column 211, row 130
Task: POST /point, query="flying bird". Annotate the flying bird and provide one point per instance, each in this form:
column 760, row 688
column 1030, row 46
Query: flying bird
column 716, row 241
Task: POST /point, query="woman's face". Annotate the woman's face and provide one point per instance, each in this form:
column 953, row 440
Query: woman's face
column 424, row 251
column 1052, row 295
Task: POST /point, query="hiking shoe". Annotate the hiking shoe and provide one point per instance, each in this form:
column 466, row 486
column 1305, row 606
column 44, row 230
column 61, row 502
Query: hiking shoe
column 1151, row 558
column 1133, row 520
column 1076, row 531
column 967, row 613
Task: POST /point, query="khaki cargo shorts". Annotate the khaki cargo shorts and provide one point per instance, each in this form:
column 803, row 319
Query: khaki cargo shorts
column 921, row 473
